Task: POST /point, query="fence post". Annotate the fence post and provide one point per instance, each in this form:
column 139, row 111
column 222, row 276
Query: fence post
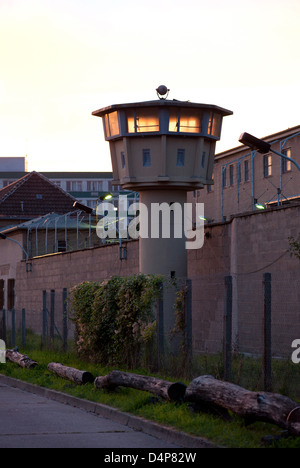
column 52, row 312
column 45, row 318
column 267, row 357
column 160, row 325
column 227, row 352
column 13, row 327
column 65, row 319
column 23, row 327
column 188, row 320
column 4, row 325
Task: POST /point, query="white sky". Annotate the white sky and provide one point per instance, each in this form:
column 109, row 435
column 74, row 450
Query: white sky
column 62, row 59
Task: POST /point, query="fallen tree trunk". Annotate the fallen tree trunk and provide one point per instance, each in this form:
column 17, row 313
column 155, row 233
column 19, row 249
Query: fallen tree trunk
column 252, row 406
column 167, row 390
column 21, row 359
column 77, row 376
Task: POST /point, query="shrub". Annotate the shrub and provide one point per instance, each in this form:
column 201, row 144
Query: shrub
column 114, row 319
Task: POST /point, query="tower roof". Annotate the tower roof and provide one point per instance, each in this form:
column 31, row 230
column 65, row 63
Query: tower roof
column 161, row 103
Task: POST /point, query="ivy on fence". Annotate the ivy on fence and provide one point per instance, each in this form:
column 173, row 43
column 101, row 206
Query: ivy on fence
column 114, row 319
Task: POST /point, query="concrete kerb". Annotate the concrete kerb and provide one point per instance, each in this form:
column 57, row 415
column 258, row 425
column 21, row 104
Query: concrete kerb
column 134, row 422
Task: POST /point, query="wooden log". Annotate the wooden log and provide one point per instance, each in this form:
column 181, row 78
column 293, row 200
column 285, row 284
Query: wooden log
column 167, row 390
column 70, row 373
column 252, row 406
column 21, row 359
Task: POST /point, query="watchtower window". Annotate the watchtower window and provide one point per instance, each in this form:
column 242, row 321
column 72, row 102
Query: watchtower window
column 141, row 121
column 180, row 157
column 214, row 125
column 146, row 158
column 112, row 124
column 123, row 162
column 185, row 121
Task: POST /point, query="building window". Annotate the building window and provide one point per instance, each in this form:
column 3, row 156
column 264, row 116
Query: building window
column 267, row 165
column 231, row 174
column 180, row 157
column 185, row 121
column 239, row 175
column 116, row 188
column 141, row 121
column 111, row 124
column 74, row 186
column 94, row 186
column 214, row 125
column 246, row 171
column 146, row 158
column 286, row 165
column 123, row 162
column 224, row 181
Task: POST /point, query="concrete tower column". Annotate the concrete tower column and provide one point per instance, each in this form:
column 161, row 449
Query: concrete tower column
column 164, row 255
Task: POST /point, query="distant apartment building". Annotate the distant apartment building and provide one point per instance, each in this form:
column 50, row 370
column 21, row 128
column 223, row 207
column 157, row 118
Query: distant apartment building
column 86, row 187
column 245, row 180
column 13, row 164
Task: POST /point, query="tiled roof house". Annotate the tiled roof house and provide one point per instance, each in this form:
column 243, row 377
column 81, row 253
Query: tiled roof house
column 30, row 197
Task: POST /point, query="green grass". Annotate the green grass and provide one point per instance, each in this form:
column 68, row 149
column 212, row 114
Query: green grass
column 179, row 416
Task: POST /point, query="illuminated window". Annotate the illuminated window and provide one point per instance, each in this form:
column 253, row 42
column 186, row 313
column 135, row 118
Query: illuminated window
column 267, row 165
column 185, row 121
column 286, row 165
column 111, row 124
column 141, row 121
column 214, row 125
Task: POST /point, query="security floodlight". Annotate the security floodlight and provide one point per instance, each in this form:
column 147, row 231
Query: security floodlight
column 262, row 147
column 107, row 196
column 162, row 92
column 255, row 143
column 81, row 207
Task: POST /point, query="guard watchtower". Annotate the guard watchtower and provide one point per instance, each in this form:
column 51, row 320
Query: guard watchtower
column 162, row 149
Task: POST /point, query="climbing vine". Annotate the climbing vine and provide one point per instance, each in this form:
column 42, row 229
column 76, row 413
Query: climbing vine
column 294, row 246
column 114, row 319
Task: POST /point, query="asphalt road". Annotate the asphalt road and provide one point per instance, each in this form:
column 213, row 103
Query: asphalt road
column 32, row 421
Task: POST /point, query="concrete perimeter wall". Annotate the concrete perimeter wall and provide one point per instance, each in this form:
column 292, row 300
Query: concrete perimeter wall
column 65, row 270
column 246, row 247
